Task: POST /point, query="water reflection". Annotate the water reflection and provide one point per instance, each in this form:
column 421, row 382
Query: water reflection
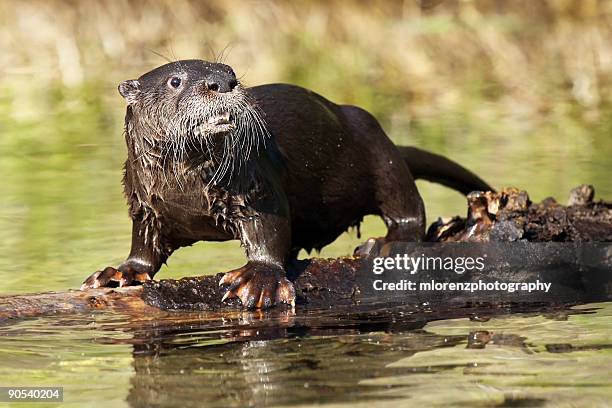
column 277, row 357
column 366, row 354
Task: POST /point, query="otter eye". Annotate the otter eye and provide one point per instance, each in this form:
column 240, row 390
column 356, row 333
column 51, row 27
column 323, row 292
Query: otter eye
column 175, row 82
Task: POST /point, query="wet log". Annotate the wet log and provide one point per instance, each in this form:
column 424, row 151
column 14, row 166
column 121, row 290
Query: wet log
column 317, row 281
column 70, row 302
column 509, row 215
column 579, row 273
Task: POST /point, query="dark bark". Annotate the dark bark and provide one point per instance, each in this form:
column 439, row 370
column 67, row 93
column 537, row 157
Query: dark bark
column 511, row 216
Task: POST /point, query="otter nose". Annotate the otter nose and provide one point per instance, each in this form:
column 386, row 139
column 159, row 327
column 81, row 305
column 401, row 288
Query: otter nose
column 220, row 84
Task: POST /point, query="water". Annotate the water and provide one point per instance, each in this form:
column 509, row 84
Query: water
column 62, row 216
column 345, row 357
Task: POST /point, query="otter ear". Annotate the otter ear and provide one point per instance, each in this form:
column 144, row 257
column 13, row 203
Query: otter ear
column 130, row 90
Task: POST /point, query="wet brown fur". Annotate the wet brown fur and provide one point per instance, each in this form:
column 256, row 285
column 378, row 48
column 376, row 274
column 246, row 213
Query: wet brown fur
column 295, row 172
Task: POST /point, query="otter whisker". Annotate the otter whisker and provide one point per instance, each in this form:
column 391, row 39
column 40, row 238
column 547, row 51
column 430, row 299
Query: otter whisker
column 222, row 154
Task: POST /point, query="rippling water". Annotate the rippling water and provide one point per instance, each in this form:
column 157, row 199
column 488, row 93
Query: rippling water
column 345, row 357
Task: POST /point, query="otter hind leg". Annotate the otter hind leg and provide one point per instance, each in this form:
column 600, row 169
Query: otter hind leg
column 398, row 200
column 401, row 208
column 404, row 216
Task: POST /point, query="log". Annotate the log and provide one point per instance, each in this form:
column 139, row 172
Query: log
column 318, row 281
column 502, row 224
column 71, row 301
column 509, row 215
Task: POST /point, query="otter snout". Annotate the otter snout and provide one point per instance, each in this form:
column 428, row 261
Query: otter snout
column 221, row 82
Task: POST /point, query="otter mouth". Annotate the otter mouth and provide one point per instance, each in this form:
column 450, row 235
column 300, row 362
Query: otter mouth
column 216, row 124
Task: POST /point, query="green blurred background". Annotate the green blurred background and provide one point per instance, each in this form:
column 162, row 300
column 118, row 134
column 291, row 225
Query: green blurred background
column 519, row 91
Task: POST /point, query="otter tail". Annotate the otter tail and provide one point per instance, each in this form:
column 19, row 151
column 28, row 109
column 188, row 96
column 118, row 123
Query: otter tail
column 439, row 169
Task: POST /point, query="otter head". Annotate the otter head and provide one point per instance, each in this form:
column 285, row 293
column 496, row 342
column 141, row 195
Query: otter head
column 193, row 106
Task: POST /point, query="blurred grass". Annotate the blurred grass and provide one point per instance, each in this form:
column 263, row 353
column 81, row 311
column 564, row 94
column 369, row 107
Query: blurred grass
column 529, row 56
column 519, row 91
column 485, row 76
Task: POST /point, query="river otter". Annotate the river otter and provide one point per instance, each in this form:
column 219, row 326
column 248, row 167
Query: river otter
column 276, row 166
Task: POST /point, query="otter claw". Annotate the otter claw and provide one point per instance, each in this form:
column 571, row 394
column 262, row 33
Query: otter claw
column 225, row 279
column 91, row 282
column 258, row 285
column 111, row 277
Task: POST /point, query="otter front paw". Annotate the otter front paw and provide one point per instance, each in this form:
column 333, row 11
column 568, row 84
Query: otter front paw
column 259, row 285
column 125, row 275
